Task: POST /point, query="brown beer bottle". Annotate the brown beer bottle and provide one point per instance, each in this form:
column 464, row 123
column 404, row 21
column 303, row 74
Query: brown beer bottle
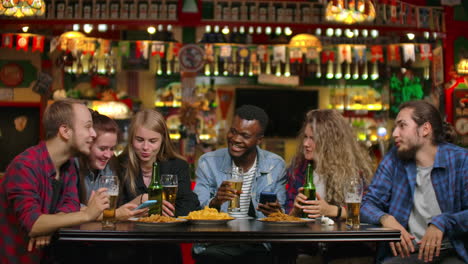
column 155, row 191
column 309, row 186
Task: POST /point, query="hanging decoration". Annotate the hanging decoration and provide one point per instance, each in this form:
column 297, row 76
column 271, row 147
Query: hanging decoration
column 393, row 52
column 22, row 8
column 38, row 44
column 350, row 11
column 409, row 53
column 22, row 42
column 7, row 41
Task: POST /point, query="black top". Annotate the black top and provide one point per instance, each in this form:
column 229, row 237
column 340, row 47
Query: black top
column 186, row 200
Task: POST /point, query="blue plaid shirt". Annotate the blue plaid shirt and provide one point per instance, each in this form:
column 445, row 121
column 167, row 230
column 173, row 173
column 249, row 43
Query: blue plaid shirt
column 391, row 192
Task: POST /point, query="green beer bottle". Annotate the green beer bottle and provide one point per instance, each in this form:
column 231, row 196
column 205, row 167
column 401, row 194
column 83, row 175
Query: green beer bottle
column 309, row 186
column 155, row 191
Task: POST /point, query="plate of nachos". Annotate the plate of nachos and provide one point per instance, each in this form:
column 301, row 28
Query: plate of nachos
column 283, row 219
column 207, row 216
column 157, row 221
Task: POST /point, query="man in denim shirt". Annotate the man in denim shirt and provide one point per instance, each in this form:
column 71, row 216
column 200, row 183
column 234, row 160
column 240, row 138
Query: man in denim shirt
column 263, row 171
column 420, row 188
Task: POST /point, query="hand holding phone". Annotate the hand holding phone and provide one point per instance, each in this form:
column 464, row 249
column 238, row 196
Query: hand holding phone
column 267, row 197
column 146, row 204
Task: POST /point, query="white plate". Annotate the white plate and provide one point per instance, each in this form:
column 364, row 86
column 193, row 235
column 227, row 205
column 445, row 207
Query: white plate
column 208, row 222
column 287, row 223
column 157, row 224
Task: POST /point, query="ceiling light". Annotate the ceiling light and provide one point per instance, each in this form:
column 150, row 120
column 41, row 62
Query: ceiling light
column 151, row 30
column 102, row 27
column 88, row 28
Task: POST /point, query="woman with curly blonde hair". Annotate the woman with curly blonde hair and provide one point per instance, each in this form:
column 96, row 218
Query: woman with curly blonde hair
column 329, row 142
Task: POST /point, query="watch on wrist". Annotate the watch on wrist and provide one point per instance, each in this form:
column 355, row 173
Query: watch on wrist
column 338, row 215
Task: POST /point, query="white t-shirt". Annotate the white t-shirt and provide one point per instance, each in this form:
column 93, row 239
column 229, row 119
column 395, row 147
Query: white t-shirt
column 245, row 195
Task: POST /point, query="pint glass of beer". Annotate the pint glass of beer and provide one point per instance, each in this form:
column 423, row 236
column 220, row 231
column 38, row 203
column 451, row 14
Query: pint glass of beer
column 170, row 185
column 112, row 185
column 353, row 197
column 236, row 180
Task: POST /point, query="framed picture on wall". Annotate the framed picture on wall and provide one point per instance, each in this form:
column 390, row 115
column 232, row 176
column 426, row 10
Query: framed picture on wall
column 19, row 129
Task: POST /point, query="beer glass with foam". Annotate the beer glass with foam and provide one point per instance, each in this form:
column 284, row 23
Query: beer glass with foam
column 353, row 197
column 236, row 179
column 170, row 185
column 112, row 185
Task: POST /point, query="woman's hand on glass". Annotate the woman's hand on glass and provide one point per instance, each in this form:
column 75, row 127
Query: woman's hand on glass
column 168, row 209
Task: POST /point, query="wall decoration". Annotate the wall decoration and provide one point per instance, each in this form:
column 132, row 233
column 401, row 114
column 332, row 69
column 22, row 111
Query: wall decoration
column 11, row 74
column 19, row 120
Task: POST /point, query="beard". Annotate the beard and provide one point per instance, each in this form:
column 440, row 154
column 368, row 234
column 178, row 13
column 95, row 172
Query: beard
column 408, row 154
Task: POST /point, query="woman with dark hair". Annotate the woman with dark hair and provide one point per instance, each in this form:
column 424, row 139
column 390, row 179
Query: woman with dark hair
column 102, row 162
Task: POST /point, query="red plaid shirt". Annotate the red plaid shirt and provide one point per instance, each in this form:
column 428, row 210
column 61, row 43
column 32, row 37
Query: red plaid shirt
column 296, row 179
column 26, row 193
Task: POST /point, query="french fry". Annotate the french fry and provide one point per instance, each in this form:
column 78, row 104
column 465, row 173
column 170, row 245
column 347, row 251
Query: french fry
column 158, row 219
column 281, row 217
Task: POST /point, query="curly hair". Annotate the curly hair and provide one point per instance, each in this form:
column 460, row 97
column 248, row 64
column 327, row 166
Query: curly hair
column 337, row 155
column 252, row 112
column 154, row 121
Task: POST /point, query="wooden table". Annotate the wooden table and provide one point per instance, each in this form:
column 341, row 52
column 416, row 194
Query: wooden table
column 234, row 231
column 285, row 238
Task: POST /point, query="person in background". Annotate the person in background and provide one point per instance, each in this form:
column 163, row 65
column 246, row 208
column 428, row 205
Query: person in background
column 264, row 171
column 149, row 142
column 420, row 188
column 102, row 162
column 38, row 193
column 327, row 140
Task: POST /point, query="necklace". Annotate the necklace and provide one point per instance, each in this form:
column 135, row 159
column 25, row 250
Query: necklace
column 146, row 173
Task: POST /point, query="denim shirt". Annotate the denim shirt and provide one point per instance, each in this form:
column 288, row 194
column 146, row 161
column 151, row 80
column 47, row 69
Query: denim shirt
column 215, row 167
column 91, row 180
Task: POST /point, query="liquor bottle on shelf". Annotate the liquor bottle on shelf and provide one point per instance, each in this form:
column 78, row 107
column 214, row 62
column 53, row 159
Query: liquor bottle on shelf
column 143, row 10
column 153, row 10
column 87, row 9
column 114, row 9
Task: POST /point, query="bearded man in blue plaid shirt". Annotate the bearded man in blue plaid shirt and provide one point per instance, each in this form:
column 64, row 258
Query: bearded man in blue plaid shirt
column 421, row 189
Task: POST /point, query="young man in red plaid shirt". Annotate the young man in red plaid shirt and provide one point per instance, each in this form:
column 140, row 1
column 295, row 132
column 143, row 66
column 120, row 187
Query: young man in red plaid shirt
column 38, row 193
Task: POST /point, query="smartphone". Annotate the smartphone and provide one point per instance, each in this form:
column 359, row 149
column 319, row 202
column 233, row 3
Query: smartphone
column 146, row 204
column 267, row 197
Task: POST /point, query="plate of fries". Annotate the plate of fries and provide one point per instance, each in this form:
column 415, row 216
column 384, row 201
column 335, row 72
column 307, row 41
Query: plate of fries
column 157, row 221
column 207, row 216
column 282, row 219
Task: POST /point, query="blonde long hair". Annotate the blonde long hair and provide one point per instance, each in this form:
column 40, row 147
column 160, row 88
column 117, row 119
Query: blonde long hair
column 151, row 120
column 337, row 154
